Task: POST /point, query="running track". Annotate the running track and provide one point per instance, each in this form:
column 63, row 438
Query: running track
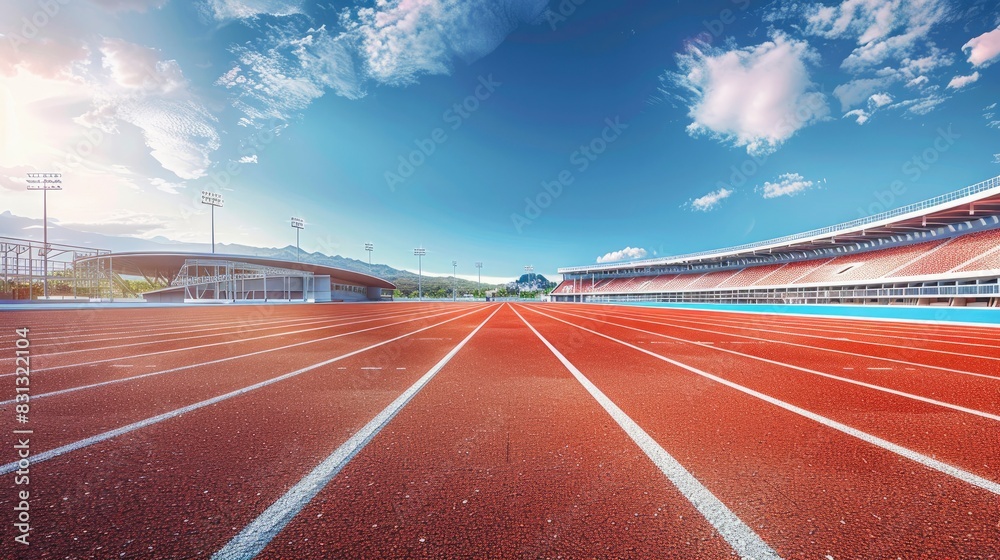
column 504, row 431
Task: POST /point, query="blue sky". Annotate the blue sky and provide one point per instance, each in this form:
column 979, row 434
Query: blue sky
column 511, row 132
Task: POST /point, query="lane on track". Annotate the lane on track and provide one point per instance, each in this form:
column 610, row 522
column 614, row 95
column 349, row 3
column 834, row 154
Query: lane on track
column 944, row 433
column 937, row 333
column 183, row 486
column 964, row 388
column 504, row 454
column 809, row 490
column 247, row 332
column 71, row 417
column 926, row 354
column 57, row 378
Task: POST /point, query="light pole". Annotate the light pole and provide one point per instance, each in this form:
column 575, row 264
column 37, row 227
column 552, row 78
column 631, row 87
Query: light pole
column 213, row 200
column 298, row 224
column 420, row 252
column 369, row 247
column 454, row 280
column 528, row 269
column 44, row 182
column 479, row 266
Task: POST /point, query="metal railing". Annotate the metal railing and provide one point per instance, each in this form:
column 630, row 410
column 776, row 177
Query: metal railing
column 853, row 224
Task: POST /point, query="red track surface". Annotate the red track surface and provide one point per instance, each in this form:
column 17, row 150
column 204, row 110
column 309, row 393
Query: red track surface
column 504, row 453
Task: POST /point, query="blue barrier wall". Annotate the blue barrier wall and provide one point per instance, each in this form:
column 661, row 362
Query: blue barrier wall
column 979, row 315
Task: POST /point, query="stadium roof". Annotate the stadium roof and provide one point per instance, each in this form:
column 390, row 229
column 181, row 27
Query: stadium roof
column 981, row 199
column 166, row 265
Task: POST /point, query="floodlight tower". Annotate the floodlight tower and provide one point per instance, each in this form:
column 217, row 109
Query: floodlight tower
column 213, row 200
column 454, row 280
column 44, row 182
column 369, row 247
column 299, row 224
column 420, row 252
column 479, row 266
column 528, row 269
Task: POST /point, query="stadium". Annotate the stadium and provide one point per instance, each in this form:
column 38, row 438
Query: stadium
column 942, row 252
column 825, row 391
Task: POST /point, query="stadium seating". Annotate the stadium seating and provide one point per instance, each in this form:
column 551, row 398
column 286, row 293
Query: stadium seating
column 955, row 253
column 868, row 265
column 968, row 252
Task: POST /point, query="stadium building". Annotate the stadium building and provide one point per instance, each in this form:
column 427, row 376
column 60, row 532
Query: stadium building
column 942, row 251
column 81, row 274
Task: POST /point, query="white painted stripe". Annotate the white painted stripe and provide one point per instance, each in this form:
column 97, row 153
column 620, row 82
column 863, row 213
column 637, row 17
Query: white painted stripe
column 757, row 327
column 880, row 368
column 924, row 460
column 249, row 542
column 225, row 343
column 371, row 368
column 230, row 358
column 918, row 334
column 787, row 343
column 740, row 537
column 927, row 400
column 52, row 453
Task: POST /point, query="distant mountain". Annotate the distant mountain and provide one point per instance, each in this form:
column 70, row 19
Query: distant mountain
column 30, row 228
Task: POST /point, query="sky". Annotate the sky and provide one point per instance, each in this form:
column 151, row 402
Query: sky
column 508, row 132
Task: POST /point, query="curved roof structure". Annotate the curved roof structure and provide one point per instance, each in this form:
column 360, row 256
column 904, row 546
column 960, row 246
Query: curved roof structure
column 166, row 265
column 981, row 199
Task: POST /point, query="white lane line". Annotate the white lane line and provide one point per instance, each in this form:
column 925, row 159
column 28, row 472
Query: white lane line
column 903, row 394
column 787, row 343
column 740, row 537
column 914, row 326
column 758, row 328
column 62, row 450
column 189, row 348
column 227, row 333
column 230, row 358
column 881, row 332
column 880, row 368
column 924, row 460
column 376, row 368
column 249, row 542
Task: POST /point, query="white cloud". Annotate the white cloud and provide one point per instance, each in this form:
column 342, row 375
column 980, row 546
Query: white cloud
column 249, row 159
column 166, row 186
column 392, row 42
column 860, row 115
column 855, row 92
column 959, row 82
column 130, row 5
column 788, row 184
column 135, row 67
column 923, row 105
column 288, row 75
column 628, row 253
column 884, row 29
column 756, row 97
column 880, row 99
column 894, row 44
column 243, row 9
column 984, row 49
column 153, row 95
column 402, row 39
column 710, row 200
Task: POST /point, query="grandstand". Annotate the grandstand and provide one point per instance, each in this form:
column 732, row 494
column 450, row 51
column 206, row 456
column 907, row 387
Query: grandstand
column 942, row 251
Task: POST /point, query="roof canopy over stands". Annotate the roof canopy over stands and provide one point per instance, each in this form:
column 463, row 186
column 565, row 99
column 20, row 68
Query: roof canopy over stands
column 945, row 211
